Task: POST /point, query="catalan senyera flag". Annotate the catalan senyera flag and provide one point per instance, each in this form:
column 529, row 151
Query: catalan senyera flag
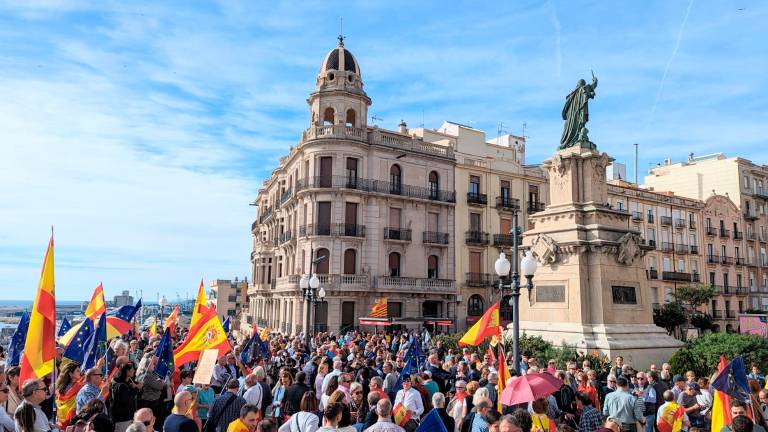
column 172, row 320
column 37, row 360
column 400, row 415
column 504, row 375
column 200, row 307
column 487, row 325
column 207, row 333
column 671, row 419
column 97, row 305
column 721, row 403
column 379, row 309
column 66, row 403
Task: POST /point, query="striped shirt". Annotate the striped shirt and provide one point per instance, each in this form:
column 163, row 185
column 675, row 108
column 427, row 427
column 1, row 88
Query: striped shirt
column 225, row 417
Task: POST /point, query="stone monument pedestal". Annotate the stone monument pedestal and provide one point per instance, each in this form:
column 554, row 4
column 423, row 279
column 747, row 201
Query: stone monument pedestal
column 590, row 289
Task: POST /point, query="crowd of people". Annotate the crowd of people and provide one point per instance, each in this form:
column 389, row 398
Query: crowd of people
column 355, row 382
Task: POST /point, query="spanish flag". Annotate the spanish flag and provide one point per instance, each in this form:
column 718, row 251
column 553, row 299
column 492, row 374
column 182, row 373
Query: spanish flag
column 379, row 309
column 37, row 360
column 207, row 333
column 201, row 305
column 671, row 419
column 721, row 403
column 97, row 306
column 66, row 403
column 172, row 320
column 153, row 329
column 487, row 325
column 400, row 415
column 504, row 375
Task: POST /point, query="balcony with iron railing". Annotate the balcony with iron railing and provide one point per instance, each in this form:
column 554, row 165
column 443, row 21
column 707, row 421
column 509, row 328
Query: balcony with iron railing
column 650, row 217
column 691, row 224
column 730, row 314
column 726, row 260
column 667, row 246
column 763, row 288
column 764, row 262
column 717, row 314
column 751, row 215
column 286, row 196
column 763, row 237
column 695, row 277
column 694, row 250
column 505, row 240
column 476, row 237
column 334, row 229
column 740, row 261
column 254, row 225
column 681, row 248
column 637, row 216
column 507, row 203
column 713, row 259
column 478, row 279
column 665, row 220
column 710, row 231
column 285, row 236
column 434, row 237
column 377, row 137
column 653, row 274
column 534, row 207
column 266, row 213
column 751, row 236
column 724, row 233
column 738, row 235
column 680, row 223
column 761, row 192
column 475, row 198
column 676, row 276
column 397, row 234
column 374, row 186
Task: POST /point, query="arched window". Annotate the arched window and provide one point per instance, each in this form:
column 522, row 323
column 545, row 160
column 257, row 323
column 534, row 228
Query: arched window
column 475, row 305
column 434, row 185
column 394, row 264
column 395, row 179
column 350, row 261
column 323, row 266
column 432, row 269
column 350, row 118
column 328, row 117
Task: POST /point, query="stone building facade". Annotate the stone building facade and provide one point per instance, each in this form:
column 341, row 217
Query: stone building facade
column 229, row 296
column 379, row 205
column 492, row 181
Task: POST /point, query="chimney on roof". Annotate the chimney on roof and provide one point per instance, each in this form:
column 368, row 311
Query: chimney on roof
column 403, row 127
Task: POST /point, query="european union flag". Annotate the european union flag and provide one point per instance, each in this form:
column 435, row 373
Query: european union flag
column 17, row 341
column 126, row 312
column 76, row 349
column 261, row 347
column 432, row 423
column 246, row 353
column 225, row 325
column 65, row 326
column 95, row 345
column 164, row 353
column 732, row 380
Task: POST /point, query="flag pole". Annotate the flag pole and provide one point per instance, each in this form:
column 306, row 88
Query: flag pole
column 55, row 351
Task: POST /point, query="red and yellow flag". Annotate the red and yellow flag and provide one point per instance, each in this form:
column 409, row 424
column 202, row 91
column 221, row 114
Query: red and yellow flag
column 37, row 360
column 200, row 307
column 97, row 306
column 721, row 404
column 172, row 320
column 504, row 375
column 66, row 403
column 671, row 419
column 153, row 329
column 379, row 309
column 487, row 325
column 400, row 415
column 207, row 333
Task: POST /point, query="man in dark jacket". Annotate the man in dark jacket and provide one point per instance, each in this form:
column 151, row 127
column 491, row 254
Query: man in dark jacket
column 294, row 393
column 438, row 401
column 226, row 407
column 439, row 376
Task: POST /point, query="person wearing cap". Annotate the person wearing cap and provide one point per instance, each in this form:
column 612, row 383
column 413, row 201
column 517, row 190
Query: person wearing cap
column 678, row 385
column 410, row 398
column 624, row 406
column 689, row 401
column 91, row 390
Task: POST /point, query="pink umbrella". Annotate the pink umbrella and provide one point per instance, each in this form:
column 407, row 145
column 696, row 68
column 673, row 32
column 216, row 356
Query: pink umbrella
column 530, row 387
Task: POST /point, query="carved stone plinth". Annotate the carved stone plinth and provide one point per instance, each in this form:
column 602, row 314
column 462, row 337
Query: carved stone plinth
column 591, row 290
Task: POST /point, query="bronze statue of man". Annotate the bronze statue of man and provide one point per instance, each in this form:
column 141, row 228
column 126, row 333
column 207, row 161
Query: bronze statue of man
column 576, row 115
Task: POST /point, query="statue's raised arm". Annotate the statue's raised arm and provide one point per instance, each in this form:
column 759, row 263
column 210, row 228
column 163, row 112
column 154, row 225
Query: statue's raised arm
column 576, row 115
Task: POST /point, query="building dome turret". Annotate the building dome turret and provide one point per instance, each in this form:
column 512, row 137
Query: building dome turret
column 340, row 59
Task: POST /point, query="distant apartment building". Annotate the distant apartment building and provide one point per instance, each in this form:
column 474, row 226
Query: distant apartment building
column 491, row 181
column 376, row 206
column 745, row 184
column 125, row 298
column 229, row 296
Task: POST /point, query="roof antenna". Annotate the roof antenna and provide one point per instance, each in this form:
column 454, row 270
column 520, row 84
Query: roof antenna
column 341, row 31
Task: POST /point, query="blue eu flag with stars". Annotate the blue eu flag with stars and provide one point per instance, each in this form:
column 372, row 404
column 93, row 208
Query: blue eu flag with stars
column 76, row 349
column 164, row 353
column 17, row 341
column 65, row 326
column 95, row 345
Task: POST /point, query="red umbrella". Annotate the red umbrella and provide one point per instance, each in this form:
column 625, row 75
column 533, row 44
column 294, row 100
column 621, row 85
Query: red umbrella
column 530, row 387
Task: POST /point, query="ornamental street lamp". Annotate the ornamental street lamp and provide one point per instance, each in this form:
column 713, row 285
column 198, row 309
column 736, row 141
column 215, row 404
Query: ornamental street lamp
column 309, row 286
column 163, row 302
column 509, row 278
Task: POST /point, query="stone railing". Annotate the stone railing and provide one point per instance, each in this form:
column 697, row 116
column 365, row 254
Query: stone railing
column 410, row 284
column 377, row 137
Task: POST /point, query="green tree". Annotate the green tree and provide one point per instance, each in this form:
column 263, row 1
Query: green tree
column 695, row 295
column 702, row 354
column 701, row 321
column 670, row 316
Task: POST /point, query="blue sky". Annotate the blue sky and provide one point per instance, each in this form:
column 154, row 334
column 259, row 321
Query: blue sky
column 143, row 130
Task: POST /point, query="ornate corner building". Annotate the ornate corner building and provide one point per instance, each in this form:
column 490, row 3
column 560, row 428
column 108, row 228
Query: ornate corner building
column 377, row 204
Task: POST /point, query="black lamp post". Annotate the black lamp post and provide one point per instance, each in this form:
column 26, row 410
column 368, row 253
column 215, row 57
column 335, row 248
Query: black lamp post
column 309, row 286
column 509, row 278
